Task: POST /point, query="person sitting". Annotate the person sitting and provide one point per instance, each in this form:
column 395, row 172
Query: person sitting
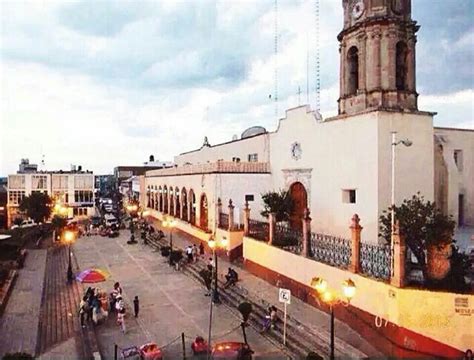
column 270, row 319
column 232, row 277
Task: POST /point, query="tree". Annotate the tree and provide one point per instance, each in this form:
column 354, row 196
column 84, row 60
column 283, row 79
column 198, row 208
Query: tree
column 58, row 222
column 422, row 224
column 278, row 202
column 38, row 206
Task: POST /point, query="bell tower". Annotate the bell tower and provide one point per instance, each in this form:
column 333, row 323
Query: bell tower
column 377, row 49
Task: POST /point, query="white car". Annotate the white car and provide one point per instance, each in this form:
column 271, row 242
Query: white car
column 25, row 224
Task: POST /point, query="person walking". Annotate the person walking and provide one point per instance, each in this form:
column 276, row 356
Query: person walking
column 207, row 277
column 189, row 253
column 195, row 253
column 136, row 306
column 83, row 310
column 121, row 320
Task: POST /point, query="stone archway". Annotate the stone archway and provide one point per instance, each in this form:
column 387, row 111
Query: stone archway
column 165, row 200
column 192, row 207
column 177, row 211
column 160, row 199
column 184, row 202
column 171, row 201
column 203, row 218
column 300, row 203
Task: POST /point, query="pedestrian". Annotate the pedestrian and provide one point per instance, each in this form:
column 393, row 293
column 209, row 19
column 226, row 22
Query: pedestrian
column 83, row 310
column 189, row 253
column 195, row 253
column 118, row 288
column 136, row 306
column 121, row 319
column 201, row 249
column 270, row 319
column 210, row 264
column 207, row 277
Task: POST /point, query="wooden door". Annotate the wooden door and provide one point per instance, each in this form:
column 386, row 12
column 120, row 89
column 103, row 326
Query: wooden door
column 300, row 203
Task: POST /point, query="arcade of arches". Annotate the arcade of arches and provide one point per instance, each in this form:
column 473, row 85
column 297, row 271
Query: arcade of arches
column 178, row 203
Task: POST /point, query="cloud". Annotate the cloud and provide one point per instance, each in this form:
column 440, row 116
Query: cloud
column 110, row 82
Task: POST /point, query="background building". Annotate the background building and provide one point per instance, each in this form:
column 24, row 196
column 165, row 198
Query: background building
column 72, row 189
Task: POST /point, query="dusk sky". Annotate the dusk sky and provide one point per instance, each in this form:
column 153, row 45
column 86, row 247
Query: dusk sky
column 107, row 83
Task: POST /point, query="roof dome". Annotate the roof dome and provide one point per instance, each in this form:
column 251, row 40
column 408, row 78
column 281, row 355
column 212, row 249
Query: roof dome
column 252, row 131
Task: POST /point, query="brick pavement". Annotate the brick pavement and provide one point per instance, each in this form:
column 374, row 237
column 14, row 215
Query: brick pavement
column 170, row 302
column 19, row 323
column 60, row 302
column 317, row 320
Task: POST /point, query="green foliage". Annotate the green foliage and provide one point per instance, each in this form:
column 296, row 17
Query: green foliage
column 38, row 206
column 455, row 281
column 245, row 309
column 278, row 202
column 58, row 222
column 17, row 356
column 421, row 223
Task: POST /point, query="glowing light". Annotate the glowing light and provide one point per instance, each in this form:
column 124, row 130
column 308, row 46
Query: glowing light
column 69, row 236
column 327, row 297
column 224, row 242
column 319, row 284
column 349, row 289
column 211, row 243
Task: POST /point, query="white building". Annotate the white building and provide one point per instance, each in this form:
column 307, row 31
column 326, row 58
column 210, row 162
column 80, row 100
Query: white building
column 74, row 190
column 338, row 166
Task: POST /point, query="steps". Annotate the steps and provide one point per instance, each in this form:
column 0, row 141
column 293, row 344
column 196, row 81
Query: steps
column 300, row 339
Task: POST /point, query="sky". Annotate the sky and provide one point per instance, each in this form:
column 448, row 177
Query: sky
column 108, row 83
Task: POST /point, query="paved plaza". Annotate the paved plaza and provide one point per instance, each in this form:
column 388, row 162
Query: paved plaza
column 170, row 302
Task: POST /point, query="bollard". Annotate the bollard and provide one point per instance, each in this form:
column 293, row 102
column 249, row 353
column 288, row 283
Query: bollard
column 115, row 351
column 184, row 346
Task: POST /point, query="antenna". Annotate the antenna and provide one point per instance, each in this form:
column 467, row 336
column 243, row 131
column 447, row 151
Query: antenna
column 299, row 95
column 318, row 81
column 276, row 57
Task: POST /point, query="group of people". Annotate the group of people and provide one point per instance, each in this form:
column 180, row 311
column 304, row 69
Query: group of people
column 193, row 252
column 93, row 306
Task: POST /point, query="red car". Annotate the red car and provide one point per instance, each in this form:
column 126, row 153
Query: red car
column 232, row 350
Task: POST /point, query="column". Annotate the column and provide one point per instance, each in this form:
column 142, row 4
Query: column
column 411, row 64
column 355, row 244
column 362, row 39
column 271, row 223
column 392, row 55
column 306, row 234
column 231, row 215
column 399, row 253
column 246, row 218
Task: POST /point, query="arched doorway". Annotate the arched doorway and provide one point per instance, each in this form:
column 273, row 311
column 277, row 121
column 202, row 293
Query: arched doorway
column 203, row 221
column 165, row 200
column 160, row 199
column 300, row 203
column 178, row 204
column 192, row 207
column 184, row 201
column 171, row 201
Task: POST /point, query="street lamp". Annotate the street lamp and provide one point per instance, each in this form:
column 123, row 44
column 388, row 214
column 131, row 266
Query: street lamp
column 330, row 298
column 69, row 238
column 169, row 223
column 214, row 245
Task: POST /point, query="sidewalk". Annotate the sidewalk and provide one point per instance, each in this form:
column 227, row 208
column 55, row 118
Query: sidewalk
column 313, row 318
column 19, row 323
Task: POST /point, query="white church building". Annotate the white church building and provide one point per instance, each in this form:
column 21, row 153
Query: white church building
column 338, row 166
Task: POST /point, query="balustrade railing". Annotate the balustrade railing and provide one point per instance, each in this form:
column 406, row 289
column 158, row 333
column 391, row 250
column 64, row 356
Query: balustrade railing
column 375, row 260
column 223, row 221
column 288, row 238
column 331, row 250
column 259, row 230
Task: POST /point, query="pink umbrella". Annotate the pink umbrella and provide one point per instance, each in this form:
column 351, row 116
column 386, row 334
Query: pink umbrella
column 92, row 276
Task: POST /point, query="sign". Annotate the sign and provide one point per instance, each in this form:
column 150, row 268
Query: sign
column 284, row 296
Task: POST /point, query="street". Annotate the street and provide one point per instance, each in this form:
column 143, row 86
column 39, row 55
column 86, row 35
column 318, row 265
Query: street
column 170, row 302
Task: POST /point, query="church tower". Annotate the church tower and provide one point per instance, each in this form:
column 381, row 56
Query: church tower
column 377, row 49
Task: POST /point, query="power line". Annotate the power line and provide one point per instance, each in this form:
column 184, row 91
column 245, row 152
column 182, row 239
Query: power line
column 317, row 44
column 275, row 10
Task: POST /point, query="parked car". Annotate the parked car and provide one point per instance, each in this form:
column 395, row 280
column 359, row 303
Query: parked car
column 25, row 224
column 231, row 350
column 96, row 221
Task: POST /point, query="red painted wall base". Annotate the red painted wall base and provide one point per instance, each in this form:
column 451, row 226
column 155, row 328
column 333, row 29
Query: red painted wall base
column 388, row 338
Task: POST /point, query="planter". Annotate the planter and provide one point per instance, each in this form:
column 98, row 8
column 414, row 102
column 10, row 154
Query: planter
column 438, row 263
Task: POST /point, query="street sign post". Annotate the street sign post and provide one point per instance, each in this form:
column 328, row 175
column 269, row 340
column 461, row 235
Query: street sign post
column 284, row 296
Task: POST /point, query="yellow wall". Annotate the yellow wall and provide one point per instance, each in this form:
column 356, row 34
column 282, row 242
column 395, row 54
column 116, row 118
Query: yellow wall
column 234, row 238
column 428, row 313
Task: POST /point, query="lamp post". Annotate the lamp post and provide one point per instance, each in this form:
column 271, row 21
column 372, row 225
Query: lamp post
column 170, row 223
column 214, row 245
column 407, row 143
column 330, row 298
column 69, row 238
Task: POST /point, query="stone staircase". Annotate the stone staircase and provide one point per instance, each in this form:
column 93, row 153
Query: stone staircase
column 300, row 339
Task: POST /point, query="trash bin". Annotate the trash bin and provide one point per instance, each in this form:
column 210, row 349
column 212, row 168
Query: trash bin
column 151, row 351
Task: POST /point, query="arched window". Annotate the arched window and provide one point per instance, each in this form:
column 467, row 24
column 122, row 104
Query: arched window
column 352, row 70
column 401, row 66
